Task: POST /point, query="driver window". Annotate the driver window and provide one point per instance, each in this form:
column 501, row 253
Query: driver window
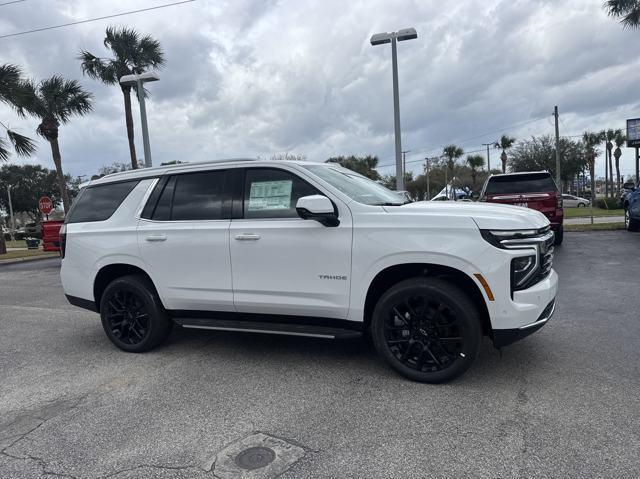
column 273, row 193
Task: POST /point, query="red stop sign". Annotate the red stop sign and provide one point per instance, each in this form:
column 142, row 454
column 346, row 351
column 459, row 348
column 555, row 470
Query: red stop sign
column 45, row 205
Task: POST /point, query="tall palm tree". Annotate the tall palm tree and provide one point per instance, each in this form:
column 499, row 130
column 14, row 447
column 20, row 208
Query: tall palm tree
column 590, row 141
column 504, row 143
column 12, row 93
column 610, row 136
column 628, row 11
column 54, row 101
column 475, row 162
column 619, row 141
column 451, row 153
column 132, row 54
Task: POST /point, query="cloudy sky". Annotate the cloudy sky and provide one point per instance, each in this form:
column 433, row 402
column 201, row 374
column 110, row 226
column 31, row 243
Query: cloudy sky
column 258, row 77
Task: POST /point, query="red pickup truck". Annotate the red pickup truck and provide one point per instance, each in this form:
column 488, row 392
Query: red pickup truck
column 531, row 189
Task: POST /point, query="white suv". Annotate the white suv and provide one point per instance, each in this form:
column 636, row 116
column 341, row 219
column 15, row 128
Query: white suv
column 306, row 249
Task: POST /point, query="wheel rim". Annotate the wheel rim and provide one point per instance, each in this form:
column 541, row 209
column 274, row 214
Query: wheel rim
column 127, row 317
column 423, row 334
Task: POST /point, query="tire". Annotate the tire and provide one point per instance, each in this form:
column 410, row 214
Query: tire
column 630, row 223
column 399, row 325
column 559, row 236
column 582, row 205
column 132, row 314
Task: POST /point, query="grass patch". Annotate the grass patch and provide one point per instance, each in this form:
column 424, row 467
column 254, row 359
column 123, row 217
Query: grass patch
column 586, row 212
column 16, row 244
column 595, row 227
column 26, row 253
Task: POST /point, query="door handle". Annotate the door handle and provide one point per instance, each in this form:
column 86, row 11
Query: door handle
column 247, row 237
column 159, row 237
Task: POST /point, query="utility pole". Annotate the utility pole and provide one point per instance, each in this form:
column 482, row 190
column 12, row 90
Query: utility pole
column 558, row 182
column 426, row 169
column 404, row 165
column 13, row 221
column 488, row 156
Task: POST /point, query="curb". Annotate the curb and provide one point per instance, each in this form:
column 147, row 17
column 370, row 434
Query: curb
column 28, row 258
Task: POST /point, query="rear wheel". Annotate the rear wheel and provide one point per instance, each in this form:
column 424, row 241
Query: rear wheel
column 559, row 236
column 581, row 205
column 426, row 329
column 132, row 314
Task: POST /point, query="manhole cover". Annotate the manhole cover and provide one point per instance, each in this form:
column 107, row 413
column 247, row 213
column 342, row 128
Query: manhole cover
column 255, row 458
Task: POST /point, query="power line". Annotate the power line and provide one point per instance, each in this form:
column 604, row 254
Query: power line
column 94, row 19
column 9, row 3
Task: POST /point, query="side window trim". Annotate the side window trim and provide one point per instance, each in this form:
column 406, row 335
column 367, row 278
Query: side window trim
column 154, row 197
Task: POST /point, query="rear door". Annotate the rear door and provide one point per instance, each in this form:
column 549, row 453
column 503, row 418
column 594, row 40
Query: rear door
column 283, row 264
column 183, row 236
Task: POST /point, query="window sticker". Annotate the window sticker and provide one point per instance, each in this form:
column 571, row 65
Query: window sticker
column 270, row 195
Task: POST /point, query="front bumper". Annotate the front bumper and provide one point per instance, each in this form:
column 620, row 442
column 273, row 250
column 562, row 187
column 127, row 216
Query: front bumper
column 504, row 337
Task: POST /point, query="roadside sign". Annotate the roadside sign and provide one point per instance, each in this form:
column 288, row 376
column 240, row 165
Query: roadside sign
column 45, row 205
column 633, row 133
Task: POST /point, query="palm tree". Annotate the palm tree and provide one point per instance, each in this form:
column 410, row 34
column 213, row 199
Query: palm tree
column 475, row 162
column 590, row 141
column 610, row 137
column 11, row 93
column 504, row 143
column 54, row 101
column 619, row 141
column 628, row 11
column 451, row 153
column 132, row 54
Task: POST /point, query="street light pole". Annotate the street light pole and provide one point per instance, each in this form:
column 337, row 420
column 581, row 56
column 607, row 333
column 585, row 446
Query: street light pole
column 404, row 163
column 426, row 167
column 139, row 81
column 393, row 38
column 488, row 157
column 145, row 127
column 13, row 221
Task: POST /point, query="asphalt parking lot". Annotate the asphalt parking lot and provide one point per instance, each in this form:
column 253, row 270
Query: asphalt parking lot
column 564, row 402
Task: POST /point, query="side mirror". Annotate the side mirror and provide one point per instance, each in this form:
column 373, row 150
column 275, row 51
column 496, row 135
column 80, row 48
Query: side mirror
column 319, row 208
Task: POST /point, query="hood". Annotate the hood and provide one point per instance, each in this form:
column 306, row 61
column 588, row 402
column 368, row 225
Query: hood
column 486, row 215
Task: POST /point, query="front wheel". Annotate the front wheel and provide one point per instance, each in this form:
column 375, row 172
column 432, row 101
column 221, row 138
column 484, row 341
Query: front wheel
column 132, row 314
column 426, row 329
column 630, row 223
column 559, row 236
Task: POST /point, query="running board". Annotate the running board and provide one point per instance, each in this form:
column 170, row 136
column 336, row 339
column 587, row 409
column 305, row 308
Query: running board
column 268, row 328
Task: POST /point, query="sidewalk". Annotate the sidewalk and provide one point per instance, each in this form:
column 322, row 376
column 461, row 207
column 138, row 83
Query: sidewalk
column 596, row 219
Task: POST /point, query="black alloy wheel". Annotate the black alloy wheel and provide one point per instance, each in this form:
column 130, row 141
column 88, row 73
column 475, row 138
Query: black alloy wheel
column 426, row 329
column 132, row 314
column 127, row 317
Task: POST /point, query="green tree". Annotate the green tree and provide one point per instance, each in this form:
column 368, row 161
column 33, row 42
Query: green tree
column 504, row 143
column 451, row 154
column 475, row 162
column 132, row 54
column 12, row 94
column 628, row 11
column 365, row 165
column 54, row 101
column 28, row 183
column 610, row 136
column 619, row 141
column 590, row 141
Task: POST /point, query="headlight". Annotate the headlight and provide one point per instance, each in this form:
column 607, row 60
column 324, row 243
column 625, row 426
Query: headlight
column 522, row 268
column 510, row 239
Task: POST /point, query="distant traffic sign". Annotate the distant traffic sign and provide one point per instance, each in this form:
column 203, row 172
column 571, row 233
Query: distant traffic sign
column 633, row 133
column 45, row 205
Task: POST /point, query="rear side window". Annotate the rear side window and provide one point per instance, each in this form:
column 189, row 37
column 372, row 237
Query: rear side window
column 191, row 197
column 534, row 183
column 98, row 203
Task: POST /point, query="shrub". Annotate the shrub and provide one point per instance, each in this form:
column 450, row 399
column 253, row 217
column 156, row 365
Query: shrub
column 608, row 203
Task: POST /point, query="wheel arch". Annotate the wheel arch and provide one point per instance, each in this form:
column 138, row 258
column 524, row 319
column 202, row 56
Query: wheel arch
column 391, row 275
column 108, row 273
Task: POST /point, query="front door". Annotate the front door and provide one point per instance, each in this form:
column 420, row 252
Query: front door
column 184, row 242
column 283, row 264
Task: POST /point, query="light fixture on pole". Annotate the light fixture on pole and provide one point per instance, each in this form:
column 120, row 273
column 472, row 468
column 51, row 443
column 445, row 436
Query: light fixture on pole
column 139, row 81
column 380, row 39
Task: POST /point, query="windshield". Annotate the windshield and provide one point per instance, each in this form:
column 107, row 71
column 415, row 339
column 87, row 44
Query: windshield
column 356, row 186
column 535, row 183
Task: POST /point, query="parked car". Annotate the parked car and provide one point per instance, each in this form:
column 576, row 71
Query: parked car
column 571, row 201
column 632, row 209
column 533, row 189
column 305, row 249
